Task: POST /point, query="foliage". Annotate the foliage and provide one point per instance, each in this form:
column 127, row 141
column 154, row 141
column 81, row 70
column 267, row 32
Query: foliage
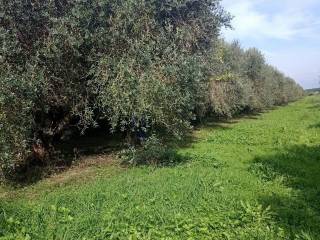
column 134, row 64
column 242, row 81
column 152, row 152
column 151, row 66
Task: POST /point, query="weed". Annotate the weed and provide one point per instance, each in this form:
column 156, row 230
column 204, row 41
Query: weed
column 273, row 169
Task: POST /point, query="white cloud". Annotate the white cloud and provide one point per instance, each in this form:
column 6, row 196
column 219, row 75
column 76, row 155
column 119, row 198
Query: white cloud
column 284, row 19
column 286, row 31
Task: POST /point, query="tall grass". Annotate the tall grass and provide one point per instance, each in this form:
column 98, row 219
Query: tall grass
column 255, row 178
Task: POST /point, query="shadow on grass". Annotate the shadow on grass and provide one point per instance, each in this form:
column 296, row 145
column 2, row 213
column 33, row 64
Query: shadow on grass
column 97, row 143
column 165, row 158
column 254, row 115
column 314, row 107
column 298, row 168
column 219, row 125
column 315, row 126
column 216, row 120
column 66, row 153
column 100, row 141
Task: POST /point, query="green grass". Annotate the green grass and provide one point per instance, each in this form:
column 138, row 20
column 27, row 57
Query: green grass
column 254, row 178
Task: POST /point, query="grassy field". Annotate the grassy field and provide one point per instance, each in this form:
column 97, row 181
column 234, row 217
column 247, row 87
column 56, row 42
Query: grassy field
column 253, row 178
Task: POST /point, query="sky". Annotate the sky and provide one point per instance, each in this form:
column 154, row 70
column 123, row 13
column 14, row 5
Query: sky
column 286, row 31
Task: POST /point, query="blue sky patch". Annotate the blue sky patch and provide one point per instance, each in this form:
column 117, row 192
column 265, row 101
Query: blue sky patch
column 286, row 31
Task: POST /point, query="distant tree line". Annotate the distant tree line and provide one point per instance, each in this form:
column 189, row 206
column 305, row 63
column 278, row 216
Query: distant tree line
column 138, row 65
column 242, row 81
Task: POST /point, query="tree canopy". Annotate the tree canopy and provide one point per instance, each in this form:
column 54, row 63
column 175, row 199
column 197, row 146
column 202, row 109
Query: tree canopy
column 151, row 65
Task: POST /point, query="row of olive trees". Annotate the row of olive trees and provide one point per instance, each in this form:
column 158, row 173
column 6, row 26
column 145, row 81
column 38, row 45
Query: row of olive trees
column 242, row 81
column 139, row 65
column 136, row 64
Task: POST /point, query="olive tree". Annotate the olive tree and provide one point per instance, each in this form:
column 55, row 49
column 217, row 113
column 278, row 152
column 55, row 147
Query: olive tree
column 136, row 64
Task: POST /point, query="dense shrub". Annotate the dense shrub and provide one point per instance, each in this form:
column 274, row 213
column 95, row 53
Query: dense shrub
column 152, row 151
column 243, row 81
column 134, row 64
column 137, row 65
column 226, row 97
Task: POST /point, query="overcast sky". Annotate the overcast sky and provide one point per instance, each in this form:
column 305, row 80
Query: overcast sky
column 286, row 31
